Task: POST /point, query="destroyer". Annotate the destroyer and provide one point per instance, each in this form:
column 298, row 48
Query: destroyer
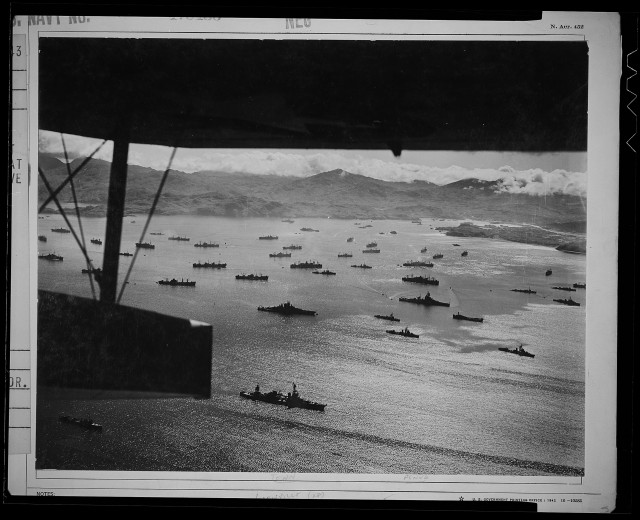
column 177, row 283
column 425, row 300
column 404, row 332
column 206, row 244
column 287, row 310
column 212, row 265
column 261, row 277
column 519, row 351
column 306, row 265
column 427, row 280
column 291, row 400
column 391, row 317
column 569, row 302
column 459, row 316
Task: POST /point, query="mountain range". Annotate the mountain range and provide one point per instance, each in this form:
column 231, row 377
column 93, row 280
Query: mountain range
column 336, row 194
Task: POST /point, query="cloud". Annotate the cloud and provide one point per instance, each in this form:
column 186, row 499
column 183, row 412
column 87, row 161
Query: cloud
column 260, row 162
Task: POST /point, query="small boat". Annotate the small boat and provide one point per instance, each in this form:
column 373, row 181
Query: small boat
column 84, row 423
column 309, row 229
column 126, row 254
column 372, row 244
column 418, row 263
column 456, row 245
column 519, row 351
column 279, row 255
column 260, row 277
column 206, row 244
column 423, row 250
column 464, row 253
column 94, row 270
column 427, row 280
column 405, row 332
column 326, row 271
column 292, row 247
column 291, row 400
column 287, row 310
column 580, row 285
column 212, row 265
column 145, row 245
column 569, row 302
column 177, row 283
column 96, row 241
column 345, row 255
column 391, row 317
column 438, row 256
column 393, row 232
column 426, row 300
column 459, row 316
column 350, row 239
column 60, row 230
column 363, row 266
column 548, row 273
column 156, row 233
column 268, row 237
column 560, row 288
column 42, row 238
column 416, row 221
column 306, row 265
column 51, row 257
column 288, row 220
column 526, row 291
column 370, row 250
column 180, row 239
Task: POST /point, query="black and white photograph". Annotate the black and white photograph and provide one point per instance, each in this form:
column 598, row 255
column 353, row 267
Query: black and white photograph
column 344, row 255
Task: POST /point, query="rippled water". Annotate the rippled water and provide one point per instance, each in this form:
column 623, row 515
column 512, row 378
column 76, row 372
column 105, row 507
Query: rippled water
column 446, row 403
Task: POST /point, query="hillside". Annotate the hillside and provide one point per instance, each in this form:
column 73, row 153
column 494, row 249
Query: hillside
column 336, row 194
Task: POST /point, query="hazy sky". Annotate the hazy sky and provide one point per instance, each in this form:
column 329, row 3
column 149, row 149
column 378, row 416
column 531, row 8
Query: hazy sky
column 537, row 174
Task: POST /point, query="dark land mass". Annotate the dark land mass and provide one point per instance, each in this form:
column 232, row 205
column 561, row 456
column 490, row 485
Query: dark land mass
column 562, row 241
column 335, row 194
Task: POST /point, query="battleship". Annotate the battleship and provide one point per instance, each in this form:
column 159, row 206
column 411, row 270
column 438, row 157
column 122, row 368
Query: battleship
column 390, row 317
column 560, row 288
column 425, row 300
column 206, row 244
column 260, row 277
column 180, row 239
column 96, row 241
column 306, row 265
column 145, row 245
column 405, row 332
column 292, row 247
column 459, row 316
column 279, row 255
column 291, row 400
column 417, row 263
column 60, row 230
column 437, row 256
column 526, row 291
column 363, row 266
column 370, row 250
column 326, row 271
column 177, row 283
column 52, row 257
column 287, row 309
column 42, row 238
column 212, row 265
column 427, row 280
column 568, row 301
column 519, row 351
column 268, row 237
column 345, row 255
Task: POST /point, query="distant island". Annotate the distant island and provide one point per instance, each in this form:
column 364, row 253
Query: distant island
column 562, row 241
column 335, row 194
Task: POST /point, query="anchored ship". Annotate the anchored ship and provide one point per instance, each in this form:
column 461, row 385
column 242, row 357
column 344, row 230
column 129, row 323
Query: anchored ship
column 526, row 291
column 268, row 237
column 174, row 283
column 206, row 244
column 560, row 288
column 568, row 301
column 145, row 245
column 519, row 351
column 425, row 300
column 60, row 230
column 51, row 257
column 427, row 280
column 306, row 265
column 213, row 265
column 405, row 332
column 418, row 263
column 326, row 271
column 279, row 255
column 391, row 317
column 181, row 239
column 96, row 241
column 459, row 316
column 261, row 277
column 362, row 266
column 287, row 310
column 291, row 400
